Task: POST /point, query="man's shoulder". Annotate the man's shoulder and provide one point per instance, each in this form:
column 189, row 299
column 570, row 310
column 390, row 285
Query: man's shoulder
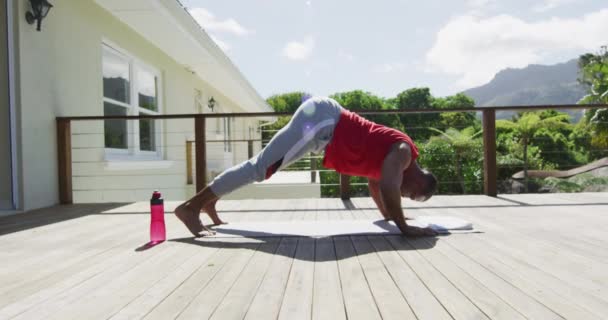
column 401, row 152
column 401, row 148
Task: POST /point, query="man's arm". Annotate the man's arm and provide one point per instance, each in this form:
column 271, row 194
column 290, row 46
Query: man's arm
column 374, row 191
column 395, row 162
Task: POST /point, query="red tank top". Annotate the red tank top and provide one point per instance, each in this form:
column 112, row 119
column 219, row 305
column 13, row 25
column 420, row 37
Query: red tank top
column 359, row 146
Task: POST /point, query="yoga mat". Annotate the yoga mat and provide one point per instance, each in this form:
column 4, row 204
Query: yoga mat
column 337, row 227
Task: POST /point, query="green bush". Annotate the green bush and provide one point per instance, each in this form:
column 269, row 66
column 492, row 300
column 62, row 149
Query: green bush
column 561, row 185
column 439, row 156
column 554, row 147
column 577, row 183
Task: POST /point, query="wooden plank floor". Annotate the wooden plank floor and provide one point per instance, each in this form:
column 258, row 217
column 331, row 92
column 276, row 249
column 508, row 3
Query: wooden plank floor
column 536, row 257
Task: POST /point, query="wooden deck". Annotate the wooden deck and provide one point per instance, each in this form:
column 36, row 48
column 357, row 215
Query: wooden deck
column 539, row 257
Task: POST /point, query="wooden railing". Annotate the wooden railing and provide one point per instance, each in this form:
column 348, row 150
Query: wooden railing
column 64, row 143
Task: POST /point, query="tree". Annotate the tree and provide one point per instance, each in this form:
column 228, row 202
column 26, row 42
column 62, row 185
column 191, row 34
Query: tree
column 599, row 127
column 593, row 71
column 286, row 102
column 526, row 127
column 463, row 142
column 456, row 119
column 416, row 124
column 361, row 100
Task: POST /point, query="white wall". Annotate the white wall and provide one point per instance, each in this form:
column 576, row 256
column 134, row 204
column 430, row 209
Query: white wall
column 61, row 75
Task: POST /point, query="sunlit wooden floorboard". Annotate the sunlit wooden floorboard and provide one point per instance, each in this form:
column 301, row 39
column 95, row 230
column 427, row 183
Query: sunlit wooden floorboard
column 535, row 257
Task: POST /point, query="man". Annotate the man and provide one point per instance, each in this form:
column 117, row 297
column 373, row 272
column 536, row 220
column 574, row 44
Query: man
column 353, row 146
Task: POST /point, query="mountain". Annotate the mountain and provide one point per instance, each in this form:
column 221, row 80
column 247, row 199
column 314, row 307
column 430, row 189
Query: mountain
column 532, row 85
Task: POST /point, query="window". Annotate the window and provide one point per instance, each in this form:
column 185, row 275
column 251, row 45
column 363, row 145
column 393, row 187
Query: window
column 130, row 88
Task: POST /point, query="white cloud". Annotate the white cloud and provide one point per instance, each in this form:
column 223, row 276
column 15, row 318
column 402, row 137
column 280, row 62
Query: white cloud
column 475, row 48
column 389, row 67
column 212, row 24
column 299, row 50
column 551, row 4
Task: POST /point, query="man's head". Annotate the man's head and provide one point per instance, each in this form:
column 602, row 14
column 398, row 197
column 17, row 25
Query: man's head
column 418, row 184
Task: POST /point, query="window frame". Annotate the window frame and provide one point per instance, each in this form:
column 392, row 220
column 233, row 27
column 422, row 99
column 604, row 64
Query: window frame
column 133, row 150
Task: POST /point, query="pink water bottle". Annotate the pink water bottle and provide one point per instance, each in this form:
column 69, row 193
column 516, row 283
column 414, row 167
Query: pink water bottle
column 157, row 221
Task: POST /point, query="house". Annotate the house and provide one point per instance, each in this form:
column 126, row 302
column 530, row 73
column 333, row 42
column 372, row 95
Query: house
column 112, row 57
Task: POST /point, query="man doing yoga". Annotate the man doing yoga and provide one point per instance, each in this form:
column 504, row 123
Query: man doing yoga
column 353, row 146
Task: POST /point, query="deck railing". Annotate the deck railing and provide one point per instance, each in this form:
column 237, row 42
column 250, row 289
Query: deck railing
column 198, row 151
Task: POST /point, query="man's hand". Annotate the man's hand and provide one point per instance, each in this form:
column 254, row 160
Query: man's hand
column 389, row 185
column 410, row 231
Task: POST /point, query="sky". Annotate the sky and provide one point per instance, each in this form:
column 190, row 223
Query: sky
column 387, row 46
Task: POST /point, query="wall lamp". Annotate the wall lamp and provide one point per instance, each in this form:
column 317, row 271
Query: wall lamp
column 40, row 8
column 211, row 103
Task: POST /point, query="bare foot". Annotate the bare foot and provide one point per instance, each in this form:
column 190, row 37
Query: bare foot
column 190, row 219
column 212, row 213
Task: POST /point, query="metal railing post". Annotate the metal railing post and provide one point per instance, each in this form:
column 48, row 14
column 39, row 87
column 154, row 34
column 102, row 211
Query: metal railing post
column 489, row 152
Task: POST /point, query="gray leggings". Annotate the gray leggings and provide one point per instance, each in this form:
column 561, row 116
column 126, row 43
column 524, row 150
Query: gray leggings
column 310, row 130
